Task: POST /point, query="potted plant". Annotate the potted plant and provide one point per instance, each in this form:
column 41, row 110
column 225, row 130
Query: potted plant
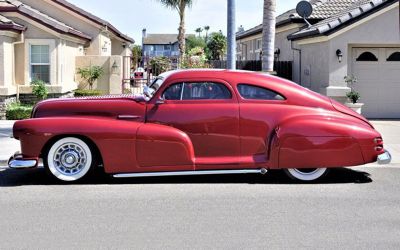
column 353, row 96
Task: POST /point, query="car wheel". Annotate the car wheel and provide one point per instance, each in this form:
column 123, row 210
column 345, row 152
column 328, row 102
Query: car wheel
column 69, row 159
column 306, row 174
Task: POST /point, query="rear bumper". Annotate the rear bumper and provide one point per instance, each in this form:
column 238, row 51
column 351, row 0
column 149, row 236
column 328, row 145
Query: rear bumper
column 384, row 158
column 17, row 161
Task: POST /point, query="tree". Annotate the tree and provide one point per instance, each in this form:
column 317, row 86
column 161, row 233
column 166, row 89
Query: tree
column 206, row 28
column 199, row 30
column 216, row 45
column 268, row 44
column 180, row 6
column 91, row 74
column 136, row 55
column 193, row 42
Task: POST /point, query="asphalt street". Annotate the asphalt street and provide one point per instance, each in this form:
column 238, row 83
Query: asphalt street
column 350, row 209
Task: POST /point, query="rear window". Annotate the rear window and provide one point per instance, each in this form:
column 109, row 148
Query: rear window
column 252, row 92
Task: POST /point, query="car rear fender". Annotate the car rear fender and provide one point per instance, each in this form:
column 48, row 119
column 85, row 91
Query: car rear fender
column 318, row 141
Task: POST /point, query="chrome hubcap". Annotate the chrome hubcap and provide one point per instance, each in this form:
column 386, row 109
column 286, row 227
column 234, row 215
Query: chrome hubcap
column 70, row 159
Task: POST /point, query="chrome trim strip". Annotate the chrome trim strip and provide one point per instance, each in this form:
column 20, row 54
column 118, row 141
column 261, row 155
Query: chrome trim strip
column 199, row 172
column 128, row 117
column 384, row 158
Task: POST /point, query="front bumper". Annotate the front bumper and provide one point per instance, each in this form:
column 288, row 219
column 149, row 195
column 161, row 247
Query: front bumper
column 384, row 158
column 17, row 161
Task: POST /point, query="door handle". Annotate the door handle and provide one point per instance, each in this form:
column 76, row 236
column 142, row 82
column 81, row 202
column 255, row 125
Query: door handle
column 128, row 117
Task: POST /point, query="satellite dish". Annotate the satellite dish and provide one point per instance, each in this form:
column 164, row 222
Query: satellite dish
column 304, row 9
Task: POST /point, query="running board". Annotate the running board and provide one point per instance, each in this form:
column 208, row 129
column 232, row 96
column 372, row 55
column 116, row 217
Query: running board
column 199, row 172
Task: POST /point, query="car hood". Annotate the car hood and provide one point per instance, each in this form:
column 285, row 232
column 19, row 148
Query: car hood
column 104, row 106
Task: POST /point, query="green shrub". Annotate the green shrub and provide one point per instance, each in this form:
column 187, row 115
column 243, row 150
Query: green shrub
column 87, row 92
column 91, row 74
column 39, row 89
column 16, row 111
column 160, row 65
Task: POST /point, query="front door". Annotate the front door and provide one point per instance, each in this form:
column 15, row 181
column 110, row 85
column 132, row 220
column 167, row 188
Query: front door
column 208, row 112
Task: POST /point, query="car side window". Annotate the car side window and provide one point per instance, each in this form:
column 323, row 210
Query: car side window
column 248, row 91
column 173, row 92
column 205, row 91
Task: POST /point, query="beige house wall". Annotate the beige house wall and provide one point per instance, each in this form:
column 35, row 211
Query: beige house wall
column 19, row 64
column 120, row 48
column 62, row 59
column 72, row 19
column 6, row 65
column 247, row 50
column 111, row 80
column 281, row 41
column 247, row 47
column 380, row 31
column 377, row 30
column 100, row 36
column 314, row 71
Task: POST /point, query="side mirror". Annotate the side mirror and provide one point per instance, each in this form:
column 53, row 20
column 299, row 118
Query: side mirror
column 147, row 91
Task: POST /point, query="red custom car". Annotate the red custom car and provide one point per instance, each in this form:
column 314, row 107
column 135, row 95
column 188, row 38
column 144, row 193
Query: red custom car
column 198, row 122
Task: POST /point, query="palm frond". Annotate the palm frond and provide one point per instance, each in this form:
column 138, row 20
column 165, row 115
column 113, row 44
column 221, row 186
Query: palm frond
column 175, row 4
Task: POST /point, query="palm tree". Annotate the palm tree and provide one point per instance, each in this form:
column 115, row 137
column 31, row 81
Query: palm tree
column 180, row 6
column 199, row 30
column 268, row 44
column 206, row 28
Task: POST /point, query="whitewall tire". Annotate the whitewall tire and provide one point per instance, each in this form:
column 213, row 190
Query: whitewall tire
column 69, row 159
column 306, row 174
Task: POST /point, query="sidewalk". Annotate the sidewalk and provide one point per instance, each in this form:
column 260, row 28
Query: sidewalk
column 390, row 131
column 8, row 145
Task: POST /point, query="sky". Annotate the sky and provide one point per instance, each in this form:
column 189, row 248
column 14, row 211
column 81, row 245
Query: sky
column 131, row 16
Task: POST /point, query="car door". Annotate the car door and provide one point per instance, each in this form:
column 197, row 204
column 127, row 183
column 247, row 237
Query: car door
column 261, row 110
column 207, row 111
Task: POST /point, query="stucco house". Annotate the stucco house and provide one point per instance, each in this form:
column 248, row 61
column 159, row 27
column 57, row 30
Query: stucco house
column 346, row 37
column 154, row 45
column 49, row 40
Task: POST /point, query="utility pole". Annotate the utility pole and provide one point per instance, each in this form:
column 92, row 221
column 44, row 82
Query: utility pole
column 231, row 35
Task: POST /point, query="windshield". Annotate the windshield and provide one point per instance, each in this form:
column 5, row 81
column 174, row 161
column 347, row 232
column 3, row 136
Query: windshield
column 157, row 83
column 149, row 91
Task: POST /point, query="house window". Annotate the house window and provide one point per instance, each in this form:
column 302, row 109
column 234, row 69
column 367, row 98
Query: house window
column 40, row 62
column 259, row 44
column 395, row 57
column 367, row 57
column 167, row 47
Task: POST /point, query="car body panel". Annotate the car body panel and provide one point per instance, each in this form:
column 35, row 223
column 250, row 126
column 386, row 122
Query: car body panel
column 134, row 135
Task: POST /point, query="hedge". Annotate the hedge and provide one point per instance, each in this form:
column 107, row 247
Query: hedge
column 87, row 92
column 16, row 111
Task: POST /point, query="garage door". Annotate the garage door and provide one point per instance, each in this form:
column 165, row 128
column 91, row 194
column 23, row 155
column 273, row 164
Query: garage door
column 378, row 74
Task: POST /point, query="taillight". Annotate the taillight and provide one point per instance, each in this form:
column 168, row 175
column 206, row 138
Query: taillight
column 378, row 140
